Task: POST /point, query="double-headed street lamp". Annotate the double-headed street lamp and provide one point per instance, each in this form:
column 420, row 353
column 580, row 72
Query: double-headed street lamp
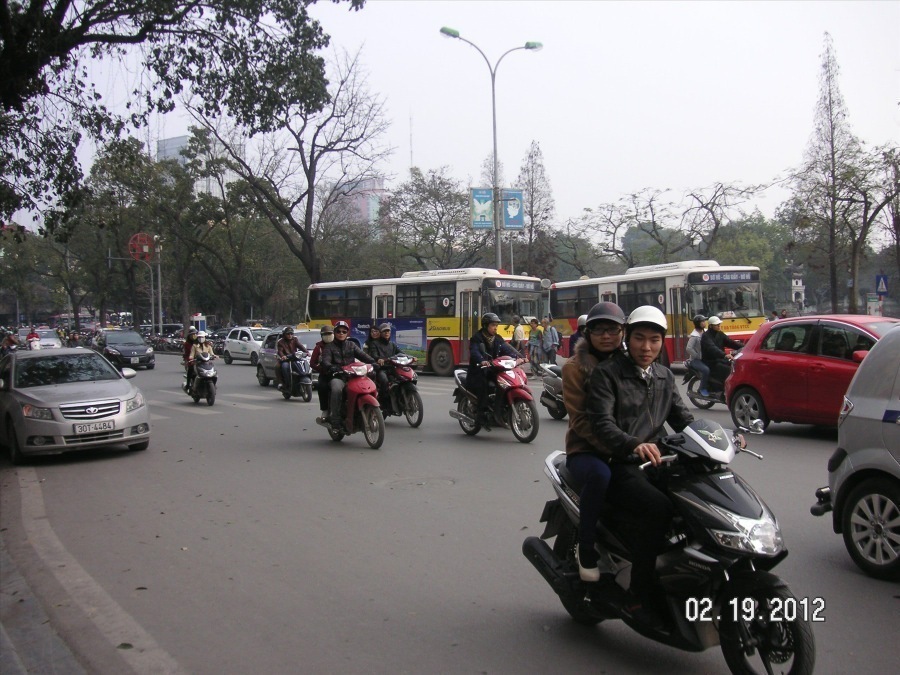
column 495, row 192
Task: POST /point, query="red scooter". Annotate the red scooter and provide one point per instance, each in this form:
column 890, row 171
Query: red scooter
column 402, row 392
column 509, row 404
column 359, row 407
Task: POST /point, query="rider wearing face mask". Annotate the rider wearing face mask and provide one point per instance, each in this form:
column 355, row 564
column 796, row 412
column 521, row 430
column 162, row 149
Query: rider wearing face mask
column 315, row 362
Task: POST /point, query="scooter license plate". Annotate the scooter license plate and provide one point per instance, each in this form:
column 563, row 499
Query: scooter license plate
column 93, row 427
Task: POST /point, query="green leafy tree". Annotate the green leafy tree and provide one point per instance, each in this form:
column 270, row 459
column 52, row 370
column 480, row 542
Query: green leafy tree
column 253, row 59
column 427, row 219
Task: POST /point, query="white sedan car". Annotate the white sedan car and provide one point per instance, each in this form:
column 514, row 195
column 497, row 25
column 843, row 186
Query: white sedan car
column 59, row 400
column 243, row 344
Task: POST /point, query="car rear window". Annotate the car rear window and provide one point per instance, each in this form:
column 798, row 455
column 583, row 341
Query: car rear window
column 62, row 369
column 124, row 338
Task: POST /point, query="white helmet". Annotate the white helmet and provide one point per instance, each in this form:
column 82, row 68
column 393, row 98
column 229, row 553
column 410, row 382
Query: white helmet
column 582, row 320
column 648, row 314
column 201, row 336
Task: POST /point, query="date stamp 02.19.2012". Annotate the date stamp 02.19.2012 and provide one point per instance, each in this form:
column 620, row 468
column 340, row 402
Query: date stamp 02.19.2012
column 777, row 609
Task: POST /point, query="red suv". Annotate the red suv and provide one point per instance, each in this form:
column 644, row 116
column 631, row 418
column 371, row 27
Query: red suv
column 798, row 369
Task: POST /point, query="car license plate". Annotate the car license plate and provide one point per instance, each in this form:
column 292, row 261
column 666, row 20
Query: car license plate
column 135, row 359
column 93, row 427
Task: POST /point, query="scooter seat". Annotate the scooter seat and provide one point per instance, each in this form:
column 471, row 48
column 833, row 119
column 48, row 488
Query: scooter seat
column 556, row 370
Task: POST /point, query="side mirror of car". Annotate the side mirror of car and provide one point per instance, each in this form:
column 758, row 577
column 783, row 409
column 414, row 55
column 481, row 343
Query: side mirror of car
column 859, row 355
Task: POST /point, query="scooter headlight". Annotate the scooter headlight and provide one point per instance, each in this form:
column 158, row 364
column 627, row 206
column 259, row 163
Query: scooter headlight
column 361, row 370
column 761, row 536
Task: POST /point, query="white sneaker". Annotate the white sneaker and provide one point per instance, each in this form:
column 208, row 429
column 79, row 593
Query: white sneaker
column 588, row 574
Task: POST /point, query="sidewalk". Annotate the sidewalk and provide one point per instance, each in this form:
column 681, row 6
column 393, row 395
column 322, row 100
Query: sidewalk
column 28, row 643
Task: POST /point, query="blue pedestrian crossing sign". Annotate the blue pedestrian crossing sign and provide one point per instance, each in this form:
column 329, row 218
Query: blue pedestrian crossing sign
column 881, row 286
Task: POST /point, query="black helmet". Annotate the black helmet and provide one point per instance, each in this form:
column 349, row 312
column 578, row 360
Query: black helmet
column 489, row 318
column 605, row 311
column 288, row 330
column 698, row 319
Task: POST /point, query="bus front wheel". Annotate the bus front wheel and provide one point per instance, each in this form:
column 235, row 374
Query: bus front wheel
column 441, row 360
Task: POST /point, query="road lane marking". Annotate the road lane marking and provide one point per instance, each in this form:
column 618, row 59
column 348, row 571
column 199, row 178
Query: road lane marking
column 113, row 622
column 193, row 408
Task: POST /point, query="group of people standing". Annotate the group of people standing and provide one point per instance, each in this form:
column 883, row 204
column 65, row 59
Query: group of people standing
column 541, row 344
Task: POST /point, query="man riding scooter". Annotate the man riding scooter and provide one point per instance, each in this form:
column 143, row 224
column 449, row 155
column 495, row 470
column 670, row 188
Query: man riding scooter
column 485, row 346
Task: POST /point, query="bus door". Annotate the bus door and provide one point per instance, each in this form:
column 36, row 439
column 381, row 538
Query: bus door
column 681, row 325
column 384, row 306
column 469, row 316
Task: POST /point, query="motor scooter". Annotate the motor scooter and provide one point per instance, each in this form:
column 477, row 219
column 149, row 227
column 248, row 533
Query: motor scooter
column 402, row 393
column 552, row 396
column 715, row 388
column 509, row 401
column 299, row 382
column 203, row 384
column 714, row 571
column 360, row 410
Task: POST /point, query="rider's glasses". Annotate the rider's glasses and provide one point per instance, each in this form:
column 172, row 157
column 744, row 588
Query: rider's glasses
column 611, row 330
column 341, row 330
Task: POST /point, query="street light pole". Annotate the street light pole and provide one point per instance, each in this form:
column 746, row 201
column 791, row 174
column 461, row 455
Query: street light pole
column 158, row 247
column 495, row 190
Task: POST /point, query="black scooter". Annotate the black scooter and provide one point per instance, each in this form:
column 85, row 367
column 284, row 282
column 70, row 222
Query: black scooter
column 552, row 395
column 299, row 382
column 715, row 389
column 714, row 569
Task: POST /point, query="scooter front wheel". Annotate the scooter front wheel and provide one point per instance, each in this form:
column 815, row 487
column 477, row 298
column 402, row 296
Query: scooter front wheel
column 373, row 426
column 761, row 633
column 556, row 413
column 210, row 393
column 306, row 393
column 412, row 407
column 523, row 420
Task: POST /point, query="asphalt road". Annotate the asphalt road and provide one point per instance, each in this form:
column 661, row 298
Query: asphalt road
column 245, row 540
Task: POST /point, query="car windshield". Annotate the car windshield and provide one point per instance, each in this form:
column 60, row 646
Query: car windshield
column 47, row 334
column 881, row 327
column 125, row 337
column 62, row 369
column 259, row 334
column 309, row 340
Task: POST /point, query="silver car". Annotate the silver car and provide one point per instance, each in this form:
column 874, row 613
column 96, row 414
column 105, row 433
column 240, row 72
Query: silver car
column 48, row 338
column 61, row 400
column 864, row 472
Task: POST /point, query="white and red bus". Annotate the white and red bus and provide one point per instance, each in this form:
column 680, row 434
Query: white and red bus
column 433, row 313
column 681, row 290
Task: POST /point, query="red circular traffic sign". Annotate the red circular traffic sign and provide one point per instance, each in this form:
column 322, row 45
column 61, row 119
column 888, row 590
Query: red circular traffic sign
column 140, row 246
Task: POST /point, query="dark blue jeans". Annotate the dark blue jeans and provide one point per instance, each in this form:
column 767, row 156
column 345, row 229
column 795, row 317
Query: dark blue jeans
column 592, row 473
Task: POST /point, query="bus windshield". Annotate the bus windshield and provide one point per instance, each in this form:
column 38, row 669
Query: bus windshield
column 507, row 304
column 725, row 300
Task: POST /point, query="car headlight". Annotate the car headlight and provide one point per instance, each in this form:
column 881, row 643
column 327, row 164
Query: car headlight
column 114, row 352
column 134, row 403
column 750, row 535
column 149, row 350
column 36, row 413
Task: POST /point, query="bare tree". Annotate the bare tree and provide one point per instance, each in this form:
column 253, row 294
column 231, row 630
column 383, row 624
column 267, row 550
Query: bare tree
column 428, row 218
column 871, row 187
column 539, row 208
column 820, row 185
column 339, row 146
column 709, row 209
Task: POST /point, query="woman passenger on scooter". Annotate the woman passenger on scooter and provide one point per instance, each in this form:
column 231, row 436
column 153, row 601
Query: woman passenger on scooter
column 602, row 337
column 695, row 354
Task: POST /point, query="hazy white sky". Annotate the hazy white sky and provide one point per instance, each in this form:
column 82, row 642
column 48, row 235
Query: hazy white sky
column 624, row 95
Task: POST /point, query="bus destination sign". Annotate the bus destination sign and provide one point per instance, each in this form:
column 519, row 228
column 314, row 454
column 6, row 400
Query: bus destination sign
column 516, row 284
column 724, row 277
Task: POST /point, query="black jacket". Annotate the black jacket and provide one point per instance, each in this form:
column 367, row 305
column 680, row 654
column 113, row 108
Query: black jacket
column 342, row 353
column 380, row 349
column 480, row 350
column 625, row 410
column 712, row 343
